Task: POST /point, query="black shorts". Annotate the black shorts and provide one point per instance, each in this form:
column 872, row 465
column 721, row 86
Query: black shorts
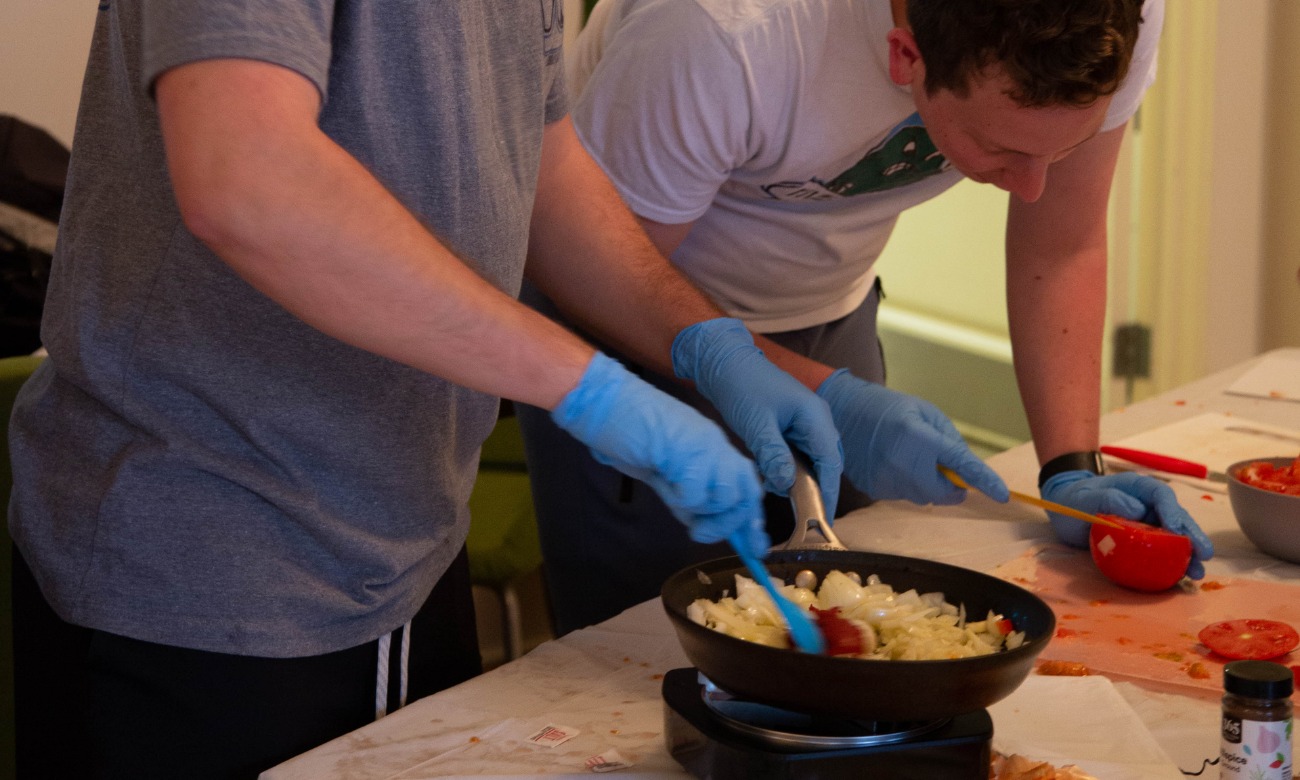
column 90, row 704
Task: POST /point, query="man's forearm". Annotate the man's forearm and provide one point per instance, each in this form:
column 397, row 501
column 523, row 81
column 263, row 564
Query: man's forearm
column 1056, row 297
column 1056, row 339
column 591, row 257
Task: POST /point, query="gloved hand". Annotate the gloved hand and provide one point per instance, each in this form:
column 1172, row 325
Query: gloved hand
column 895, row 442
column 764, row 405
column 1129, row 495
column 651, row 436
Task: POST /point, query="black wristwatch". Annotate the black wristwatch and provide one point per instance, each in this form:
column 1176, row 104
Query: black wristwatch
column 1089, row 460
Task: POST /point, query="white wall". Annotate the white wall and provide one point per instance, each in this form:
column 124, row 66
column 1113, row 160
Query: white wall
column 1236, row 268
column 43, row 48
column 1281, row 324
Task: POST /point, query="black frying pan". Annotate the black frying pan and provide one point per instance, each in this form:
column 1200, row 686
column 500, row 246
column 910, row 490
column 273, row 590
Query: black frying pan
column 854, row 687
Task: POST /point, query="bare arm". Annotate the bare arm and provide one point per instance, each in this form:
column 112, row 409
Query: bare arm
column 592, row 258
column 306, row 224
column 1056, row 297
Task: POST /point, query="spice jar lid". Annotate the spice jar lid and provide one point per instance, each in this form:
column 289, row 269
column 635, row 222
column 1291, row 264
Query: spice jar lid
column 1258, row 679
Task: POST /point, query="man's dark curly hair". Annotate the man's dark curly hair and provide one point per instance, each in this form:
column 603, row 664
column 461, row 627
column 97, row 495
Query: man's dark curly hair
column 1056, row 52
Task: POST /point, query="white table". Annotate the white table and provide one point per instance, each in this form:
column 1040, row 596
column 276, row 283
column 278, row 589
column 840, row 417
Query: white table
column 603, row 682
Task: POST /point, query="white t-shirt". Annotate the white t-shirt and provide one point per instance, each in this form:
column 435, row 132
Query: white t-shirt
column 774, row 126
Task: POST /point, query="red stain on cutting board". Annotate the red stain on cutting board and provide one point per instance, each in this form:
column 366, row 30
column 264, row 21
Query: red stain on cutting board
column 1146, row 638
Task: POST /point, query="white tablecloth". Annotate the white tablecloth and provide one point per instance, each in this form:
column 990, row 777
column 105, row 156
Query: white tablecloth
column 601, row 685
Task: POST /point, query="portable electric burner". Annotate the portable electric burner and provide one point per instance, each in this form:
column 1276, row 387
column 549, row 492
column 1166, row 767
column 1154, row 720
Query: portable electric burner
column 715, row 735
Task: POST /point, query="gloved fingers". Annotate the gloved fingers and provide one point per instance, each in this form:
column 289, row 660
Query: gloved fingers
column 935, row 418
column 1069, row 531
column 709, row 490
column 1108, row 501
column 698, row 346
column 709, row 521
column 813, row 433
column 913, row 479
column 774, row 459
column 737, row 524
column 1171, row 516
column 1196, row 569
column 1202, row 547
column 1164, row 509
column 1078, row 489
column 1148, row 490
column 1089, row 492
column 939, row 492
column 976, row 473
column 916, row 476
column 922, row 449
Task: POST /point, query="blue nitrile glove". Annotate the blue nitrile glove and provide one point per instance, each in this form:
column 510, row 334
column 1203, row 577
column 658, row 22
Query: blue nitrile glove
column 1129, row 495
column 763, row 404
column 651, row 436
column 895, row 442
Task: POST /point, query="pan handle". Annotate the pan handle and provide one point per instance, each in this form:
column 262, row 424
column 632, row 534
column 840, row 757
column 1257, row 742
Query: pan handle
column 809, row 512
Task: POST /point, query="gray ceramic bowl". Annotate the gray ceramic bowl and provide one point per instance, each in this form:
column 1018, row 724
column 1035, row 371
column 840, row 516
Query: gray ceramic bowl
column 1268, row 519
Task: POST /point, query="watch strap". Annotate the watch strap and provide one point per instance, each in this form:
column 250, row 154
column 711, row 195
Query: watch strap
column 1087, row 460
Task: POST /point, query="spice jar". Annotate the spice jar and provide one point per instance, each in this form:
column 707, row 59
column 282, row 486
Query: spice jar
column 1256, row 731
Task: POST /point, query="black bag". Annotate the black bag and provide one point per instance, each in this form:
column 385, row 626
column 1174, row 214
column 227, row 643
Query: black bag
column 33, row 168
column 33, row 171
column 24, row 274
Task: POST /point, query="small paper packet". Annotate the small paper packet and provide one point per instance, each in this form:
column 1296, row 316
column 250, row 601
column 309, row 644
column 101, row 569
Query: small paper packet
column 609, row 761
column 553, row 735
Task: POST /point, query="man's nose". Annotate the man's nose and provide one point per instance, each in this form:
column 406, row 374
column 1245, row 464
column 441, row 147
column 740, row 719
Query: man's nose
column 1026, row 179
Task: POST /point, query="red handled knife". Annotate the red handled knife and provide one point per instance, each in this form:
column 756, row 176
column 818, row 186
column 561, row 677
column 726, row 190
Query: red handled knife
column 1165, row 463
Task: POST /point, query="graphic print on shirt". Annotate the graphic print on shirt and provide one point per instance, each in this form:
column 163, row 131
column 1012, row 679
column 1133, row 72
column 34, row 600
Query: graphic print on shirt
column 906, row 156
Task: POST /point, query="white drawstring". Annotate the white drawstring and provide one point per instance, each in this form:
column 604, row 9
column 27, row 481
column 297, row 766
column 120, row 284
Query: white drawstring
column 385, row 645
column 381, row 677
column 406, row 660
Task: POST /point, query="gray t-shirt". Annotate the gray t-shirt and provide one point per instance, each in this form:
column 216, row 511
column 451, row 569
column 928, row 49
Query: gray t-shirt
column 195, row 466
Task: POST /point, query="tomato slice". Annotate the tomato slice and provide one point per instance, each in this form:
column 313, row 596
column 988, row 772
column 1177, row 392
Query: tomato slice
column 1253, row 639
column 1139, row 556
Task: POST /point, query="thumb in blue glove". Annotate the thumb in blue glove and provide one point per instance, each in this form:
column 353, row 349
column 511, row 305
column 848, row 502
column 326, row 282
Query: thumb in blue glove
column 763, row 404
column 894, row 444
column 1131, row 496
column 651, row 436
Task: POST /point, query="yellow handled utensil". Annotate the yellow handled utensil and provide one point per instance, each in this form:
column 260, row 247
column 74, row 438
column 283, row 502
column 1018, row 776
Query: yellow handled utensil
column 1050, row 506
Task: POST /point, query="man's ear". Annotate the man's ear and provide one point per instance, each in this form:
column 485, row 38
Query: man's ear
column 904, row 58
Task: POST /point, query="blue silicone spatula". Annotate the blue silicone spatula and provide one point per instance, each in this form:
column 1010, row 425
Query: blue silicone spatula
column 807, row 637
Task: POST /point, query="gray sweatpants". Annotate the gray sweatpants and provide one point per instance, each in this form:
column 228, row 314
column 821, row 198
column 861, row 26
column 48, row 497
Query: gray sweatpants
column 607, row 540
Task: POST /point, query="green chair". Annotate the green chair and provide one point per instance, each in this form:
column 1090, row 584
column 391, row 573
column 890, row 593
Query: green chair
column 13, row 372
column 503, row 546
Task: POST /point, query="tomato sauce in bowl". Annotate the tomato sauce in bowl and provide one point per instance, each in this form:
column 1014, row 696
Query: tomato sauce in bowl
column 1265, row 498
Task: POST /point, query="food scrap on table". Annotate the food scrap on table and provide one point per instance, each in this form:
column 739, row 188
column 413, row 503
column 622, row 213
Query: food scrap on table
column 1063, row 669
